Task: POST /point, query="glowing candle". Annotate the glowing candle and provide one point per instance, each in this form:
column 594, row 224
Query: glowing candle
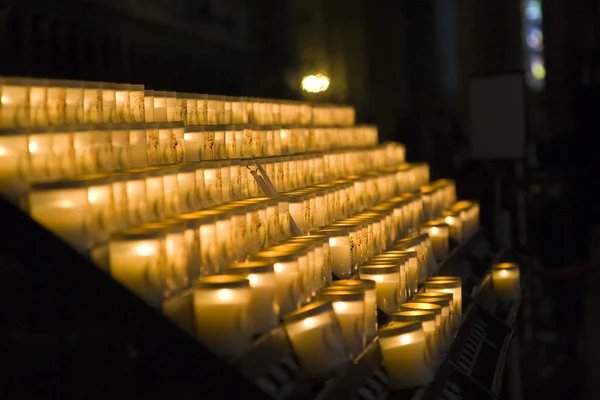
column 238, row 111
column 449, row 285
column 171, row 192
column 155, row 193
column 73, row 102
column 273, row 228
column 153, row 144
column 405, row 355
column 221, row 305
column 439, row 234
column 447, row 314
column 176, row 256
column 202, row 231
column 109, row 102
column 239, row 230
column 14, row 168
column 506, row 279
column 341, row 246
column 349, row 308
column 317, row 339
column 212, row 109
column 130, row 196
column 192, row 109
column 173, row 114
column 137, row 105
column 443, row 321
column 264, row 309
column 455, row 225
column 213, row 189
column 225, row 167
column 287, row 274
column 370, row 290
column 121, row 148
column 180, row 110
column 402, row 261
column 304, row 254
column 137, row 261
column 160, row 106
column 149, row 105
column 186, row 184
column 92, row 102
column 195, row 142
column 138, row 145
column 219, row 145
column 387, row 281
column 171, row 143
column 430, row 325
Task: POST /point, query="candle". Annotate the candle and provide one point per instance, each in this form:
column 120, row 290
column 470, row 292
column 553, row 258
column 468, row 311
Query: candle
column 160, row 106
column 239, row 230
column 173, row 114
column 171, row 143
column 92, row 102
column 447, row 325
column 506, row 281
column 455, row 223
column 123, row 103
column 180, row 111
column 153, row 144
column 186, row 184
column 138, row 145
column 405, row 355
column 213, row 189
column 136, row 259
column 130, row 197
column 109, row 102
column 445, row 319
column 387, row 281
column 155, row 193
column 273, row 228
column 297, row 211
column 176, row 256
column 369, row 288
column 264, row 309
column 318, row 279
column 449, row 285
column 349, row 308
column 136, row 103
column 238, row 111
column 284, row 217
column 14, row 168
column 221, row 308
column 196, row 142
column 304, row 254
column 149, row 105
column 171, row 192
column 401, row 261
column 430, row 325
column 287, row 274
column 121, row 148
column 341, row 246
column 317, row 339
column 439, row 234
column 14, row 102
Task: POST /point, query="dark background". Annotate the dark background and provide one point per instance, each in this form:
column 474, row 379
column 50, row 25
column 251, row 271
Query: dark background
column 404, row 64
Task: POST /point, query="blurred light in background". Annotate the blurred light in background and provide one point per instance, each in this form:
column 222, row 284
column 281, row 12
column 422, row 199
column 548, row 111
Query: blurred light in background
column 315, row 83
column 535, row 38
column 533, row 11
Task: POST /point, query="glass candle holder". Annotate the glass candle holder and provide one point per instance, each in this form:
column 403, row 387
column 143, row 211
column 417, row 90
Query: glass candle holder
column 405, row 355
column 439, row 233
column 406, row 291
column 173, row 112
column 123, row 103
column 202, row 109
column 225, row 167
column 137, row 103
column 81, row 212
column 225, row 238
column 431, row 328
column 15, row 103
column 288, row 277
column 212, row 108
column 370, row 290
column 149, row 105
column 298, row 212
column 181, row 110
column 138, row 145
column 160, row 106
column 417, row 264
column 387, row 281
column 239, row 114
column 447, row 322
column 284, row 217
column 506, row 280
column 109, row 103
column 121, row 148
column 153, row 144
column 321, row 269
column 221, row 308
column 73, row 102
column 201, row 237
column 239, row 228
column 440, row 319
column 317, row 339
column 455, row 224
column 171, row 143
column 15, row 171
column 186, row 185
column 129, row 191
column 449, row 285
column 304, row 254
column 176, row 257
column 264, row 309
column 213, row 184
column 273, row 228
column 136, row 259
column 196, row 141
column 92, row 102
column 349, row 308
column 155, row 193
column 171, row 192
column 341, row 249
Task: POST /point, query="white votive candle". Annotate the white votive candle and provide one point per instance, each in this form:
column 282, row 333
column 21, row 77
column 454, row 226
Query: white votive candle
column 136, row 259
column 264, row 309
column 317, row 339
column 349, row 307
column 370, row 302
column 387, row 281
column 431, row 327
column 506, row 281
column 405, row 355
column 449, row 285
column 221, row 309
column 439, row 233
column 447, row 323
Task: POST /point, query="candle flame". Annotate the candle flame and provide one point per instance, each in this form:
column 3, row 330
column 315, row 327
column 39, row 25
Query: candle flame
column 254, row 279
column 340, row 306
column 405, row 339
column 2, row 151
column 33, row 147
column 503, row 272
column 434, row 231
column 309, row 322
column 144, row 250
column 225, row 294
column 278, row 268
column 332, row 242
column 4, row 100
column 65, row 204
column 449, row 220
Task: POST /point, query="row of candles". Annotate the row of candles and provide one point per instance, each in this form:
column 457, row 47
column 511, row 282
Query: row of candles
column 29, row 102
column 85, row 211
column 46, row 155
column 303, row 266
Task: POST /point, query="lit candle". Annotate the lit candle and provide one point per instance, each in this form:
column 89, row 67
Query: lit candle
column 439, row 234
column 221, row 308
column 137, row 104
column 284, row 217
column 370, row 290
column 153, row 144
column 430, row 325
column 449, row 285
column 225, row 166
column 171, row 142
column 171, row 191
column 219, row 145
column 191, row 109
column 14, row 168
column 160, row 106
column 176, row 256
column 92, row 102
column 194, row 137
column 273, row 228
column 149, row 105
column 387, row 281
column 349, row 308
column 317, row 278
column 506, row 281
column 121, row 148
column 264, row 309
column 455, row 224
column 238, row 111
column 341, row 248
column 15, row 102
column 109, row 102
column 443, row 321
column 213, row 189
column 129, row 191
column 239, row 230
column 136, row 259
column 402, row 261
column 173, row 114
column 447, row 325
column 202, row 104
column 405, row 355
column 180, row 111
column 317, row 339
column 186, row 184
column 155, row 193
column 288, row 277
column 73, row 102
column 138, row 145
column 297, row 212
